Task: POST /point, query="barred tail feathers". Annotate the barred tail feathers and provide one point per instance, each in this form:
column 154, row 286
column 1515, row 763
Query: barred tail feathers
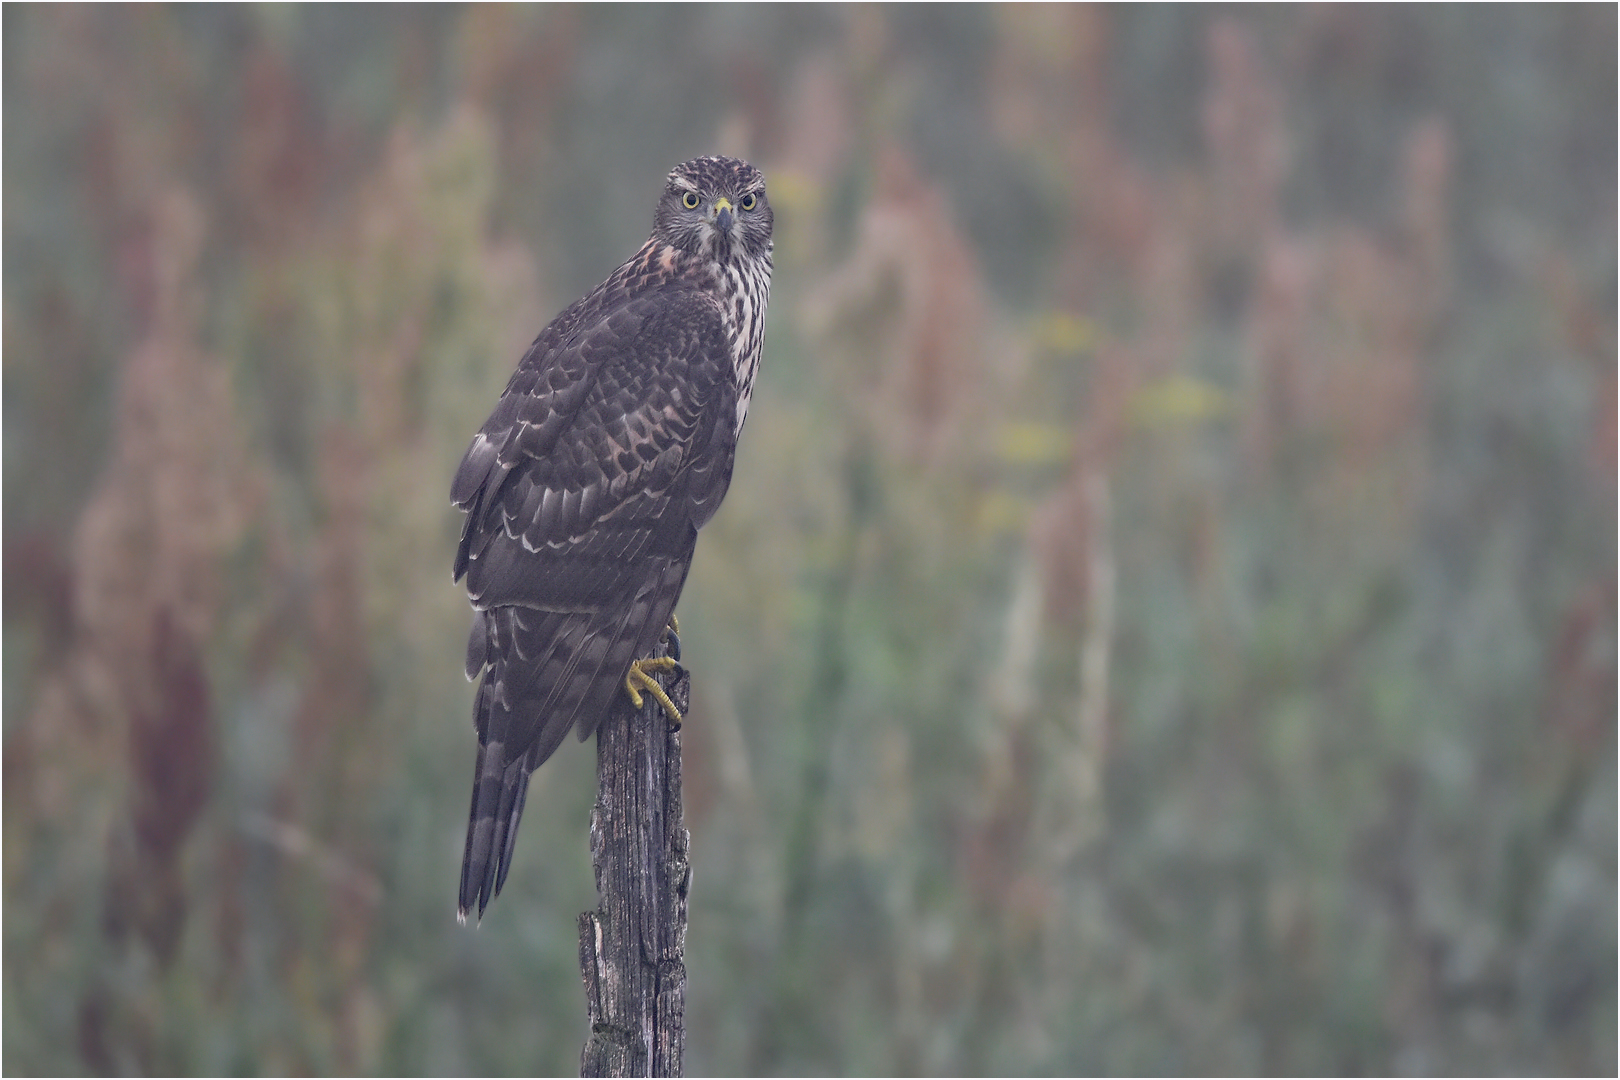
column 489, row 771
column 566, row 668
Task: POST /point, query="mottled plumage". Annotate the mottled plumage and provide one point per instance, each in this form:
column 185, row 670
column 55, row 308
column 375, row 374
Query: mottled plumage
column 586, row 487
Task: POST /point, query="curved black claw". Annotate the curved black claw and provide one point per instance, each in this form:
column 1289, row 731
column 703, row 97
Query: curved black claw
column 672, row 634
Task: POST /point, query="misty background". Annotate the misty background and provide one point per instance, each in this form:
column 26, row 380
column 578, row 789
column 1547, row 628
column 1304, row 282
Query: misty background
column 1163, row 620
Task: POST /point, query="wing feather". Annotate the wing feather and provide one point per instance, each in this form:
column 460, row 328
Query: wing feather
column 584, row 460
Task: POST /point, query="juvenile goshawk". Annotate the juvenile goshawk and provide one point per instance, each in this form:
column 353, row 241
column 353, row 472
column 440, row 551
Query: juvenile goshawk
column 586, row 487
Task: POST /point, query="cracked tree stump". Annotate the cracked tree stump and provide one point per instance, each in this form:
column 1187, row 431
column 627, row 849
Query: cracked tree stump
column 632, row 947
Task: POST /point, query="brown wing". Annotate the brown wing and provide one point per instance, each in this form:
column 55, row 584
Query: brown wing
column 584, row 492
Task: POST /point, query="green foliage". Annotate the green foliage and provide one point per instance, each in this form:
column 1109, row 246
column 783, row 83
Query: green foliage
column 1163, row 619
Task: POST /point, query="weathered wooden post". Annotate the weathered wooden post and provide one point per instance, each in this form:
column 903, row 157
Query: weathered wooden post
column 632, row 947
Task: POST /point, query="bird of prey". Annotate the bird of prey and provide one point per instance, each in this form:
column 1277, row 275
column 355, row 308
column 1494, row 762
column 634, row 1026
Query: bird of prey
column 584, row 491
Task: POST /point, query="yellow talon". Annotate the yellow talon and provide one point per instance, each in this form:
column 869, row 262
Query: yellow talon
column 637, row 675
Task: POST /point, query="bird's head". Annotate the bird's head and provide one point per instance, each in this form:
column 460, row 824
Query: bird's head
column 715, row 207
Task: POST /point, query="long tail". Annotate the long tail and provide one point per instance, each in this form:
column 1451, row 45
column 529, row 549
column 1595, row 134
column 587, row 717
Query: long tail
column 544, row 674
column 508, row 748
column 499, row 788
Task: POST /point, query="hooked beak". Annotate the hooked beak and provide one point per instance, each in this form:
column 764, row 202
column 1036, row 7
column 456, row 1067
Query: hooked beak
column 723, row 215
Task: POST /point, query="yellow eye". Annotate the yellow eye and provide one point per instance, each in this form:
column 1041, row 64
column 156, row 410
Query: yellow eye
column 690, row 200
column 748, row 201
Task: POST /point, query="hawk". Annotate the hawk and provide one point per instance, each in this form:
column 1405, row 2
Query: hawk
column 584, row 491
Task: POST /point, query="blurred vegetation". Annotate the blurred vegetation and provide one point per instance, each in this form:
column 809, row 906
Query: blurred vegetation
column 1164, row 619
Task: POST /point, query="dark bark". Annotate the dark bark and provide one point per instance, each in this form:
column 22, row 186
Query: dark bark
column 632, row 947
